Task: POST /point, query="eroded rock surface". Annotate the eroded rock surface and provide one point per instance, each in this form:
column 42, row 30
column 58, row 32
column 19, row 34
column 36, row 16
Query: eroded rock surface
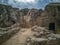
column 8, row 16
column 42, row 36
column 8, row 22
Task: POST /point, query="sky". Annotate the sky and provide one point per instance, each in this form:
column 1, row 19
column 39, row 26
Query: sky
column 28, row 3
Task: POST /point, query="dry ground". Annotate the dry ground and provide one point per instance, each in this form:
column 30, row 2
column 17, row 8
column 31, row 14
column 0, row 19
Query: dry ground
column 19, row 38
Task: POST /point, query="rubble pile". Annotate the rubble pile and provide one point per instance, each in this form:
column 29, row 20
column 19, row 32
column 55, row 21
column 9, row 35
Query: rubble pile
column 42, row 36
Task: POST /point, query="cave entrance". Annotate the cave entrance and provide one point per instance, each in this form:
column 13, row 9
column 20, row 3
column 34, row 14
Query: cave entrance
column 52, row 27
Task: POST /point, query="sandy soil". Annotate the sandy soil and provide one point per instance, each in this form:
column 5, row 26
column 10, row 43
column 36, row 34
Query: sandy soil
column 19, row 38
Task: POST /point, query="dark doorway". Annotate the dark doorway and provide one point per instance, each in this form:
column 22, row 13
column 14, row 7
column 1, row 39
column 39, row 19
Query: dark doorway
column 52, row 27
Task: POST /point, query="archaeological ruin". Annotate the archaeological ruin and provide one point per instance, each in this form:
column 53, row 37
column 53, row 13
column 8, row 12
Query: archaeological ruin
column 53, row 11
column 30, row 26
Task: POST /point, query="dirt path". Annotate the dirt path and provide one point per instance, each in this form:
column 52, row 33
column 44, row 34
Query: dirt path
column 19, row 38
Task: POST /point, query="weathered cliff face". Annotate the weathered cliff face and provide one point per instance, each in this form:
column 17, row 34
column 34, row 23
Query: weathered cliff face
column 53, row 12
column 32, row 17
column 8, row 16
column 35, row 17
column 29, row 17
column 26, row 17
column 9, row 22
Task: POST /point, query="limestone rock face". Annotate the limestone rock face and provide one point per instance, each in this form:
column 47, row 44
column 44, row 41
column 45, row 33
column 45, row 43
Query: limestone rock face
column 8, row 16
column 9, row 22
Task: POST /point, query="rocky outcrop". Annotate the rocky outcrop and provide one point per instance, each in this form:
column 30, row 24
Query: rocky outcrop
column 9, row 22
column 52, row 11
column 42, row 36
column 8, row 16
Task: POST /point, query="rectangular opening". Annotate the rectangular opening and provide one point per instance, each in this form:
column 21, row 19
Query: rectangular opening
column 52, row 26
column 58, row 7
